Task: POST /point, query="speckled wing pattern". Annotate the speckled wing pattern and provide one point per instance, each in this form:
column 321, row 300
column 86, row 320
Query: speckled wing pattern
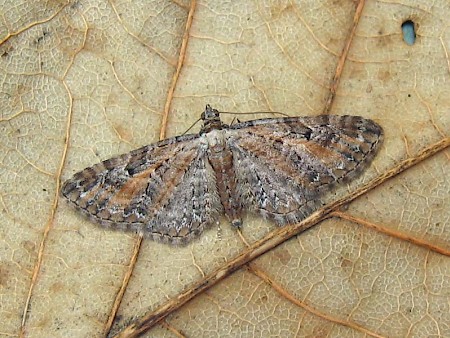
column 286, row 164
column 173, row 189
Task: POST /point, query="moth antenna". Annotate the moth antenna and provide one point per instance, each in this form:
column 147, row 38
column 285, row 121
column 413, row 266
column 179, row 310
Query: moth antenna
column 192, row 126
column 256, row 112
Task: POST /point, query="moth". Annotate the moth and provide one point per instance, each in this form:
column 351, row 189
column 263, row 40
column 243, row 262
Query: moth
column 278, row 167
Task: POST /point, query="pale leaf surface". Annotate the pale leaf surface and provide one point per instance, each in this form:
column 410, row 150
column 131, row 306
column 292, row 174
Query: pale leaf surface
column 82, row 81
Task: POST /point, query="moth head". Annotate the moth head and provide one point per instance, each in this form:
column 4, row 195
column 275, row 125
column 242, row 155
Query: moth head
column 210, row 114
column 211, row 119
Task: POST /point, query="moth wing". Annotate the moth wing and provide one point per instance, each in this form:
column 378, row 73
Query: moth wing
column 166, row 190
column 284, row 165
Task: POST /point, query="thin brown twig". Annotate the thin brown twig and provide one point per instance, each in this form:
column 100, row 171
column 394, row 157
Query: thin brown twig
column 391, row 232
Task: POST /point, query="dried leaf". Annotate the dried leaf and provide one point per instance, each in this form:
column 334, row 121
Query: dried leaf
column 82, row 82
